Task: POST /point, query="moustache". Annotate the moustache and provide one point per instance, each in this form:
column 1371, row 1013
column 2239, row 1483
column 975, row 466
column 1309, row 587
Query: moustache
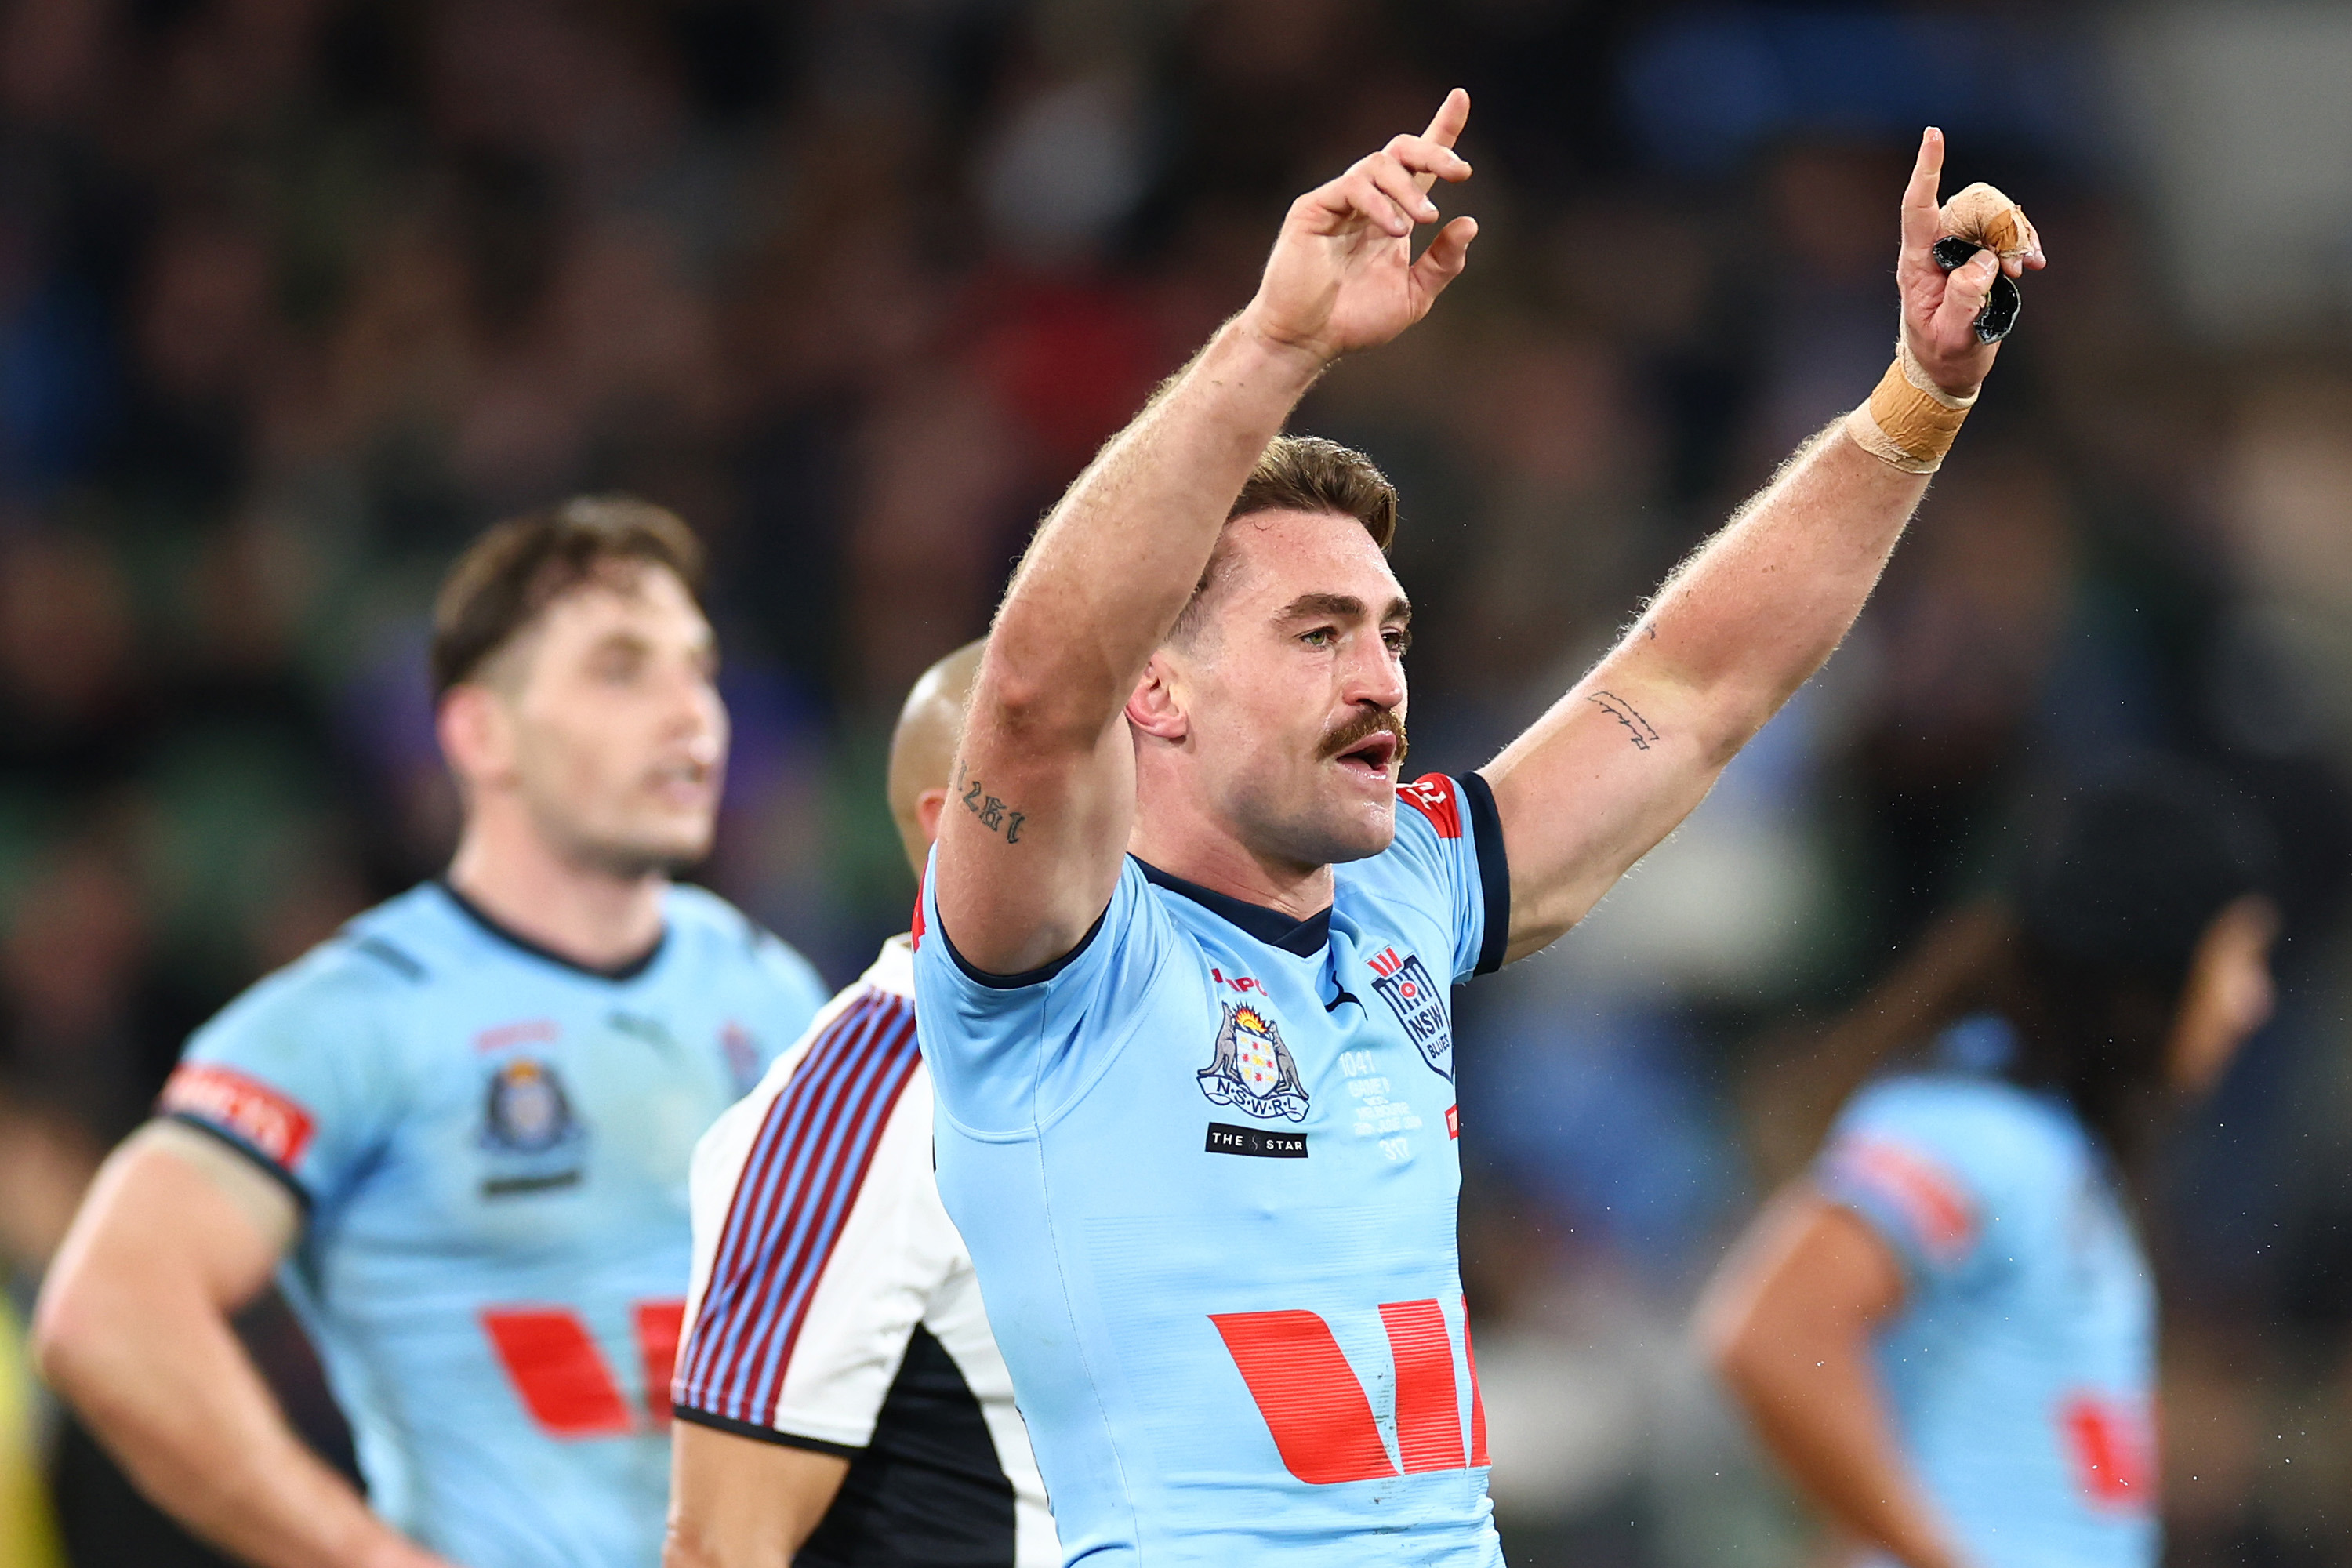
column 1362, row 727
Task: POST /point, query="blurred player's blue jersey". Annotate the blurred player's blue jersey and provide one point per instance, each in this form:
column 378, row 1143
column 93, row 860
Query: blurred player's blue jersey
column 1206, row 1168
column 492, row 1145
column 2021, row 1368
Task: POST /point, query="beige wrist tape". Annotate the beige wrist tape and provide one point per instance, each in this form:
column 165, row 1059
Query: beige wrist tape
column 1909, row 421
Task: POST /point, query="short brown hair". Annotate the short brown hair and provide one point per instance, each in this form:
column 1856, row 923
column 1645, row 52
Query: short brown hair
column 516, row 570
column 1302, row 473
column 1307, row 473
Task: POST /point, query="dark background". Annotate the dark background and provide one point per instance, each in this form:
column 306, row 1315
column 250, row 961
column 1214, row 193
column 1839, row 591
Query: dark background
column 297, row 295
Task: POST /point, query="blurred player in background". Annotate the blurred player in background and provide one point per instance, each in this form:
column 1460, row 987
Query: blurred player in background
column 464, row 1124
column 1196, row 1114
column 1947, row 1331
column 841, row 1401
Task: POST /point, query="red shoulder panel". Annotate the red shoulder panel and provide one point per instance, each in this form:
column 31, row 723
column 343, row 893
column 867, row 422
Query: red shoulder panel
column 1434, row 796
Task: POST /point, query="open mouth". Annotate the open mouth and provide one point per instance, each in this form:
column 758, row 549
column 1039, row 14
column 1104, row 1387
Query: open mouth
column 1372, row 756
column 682, row 783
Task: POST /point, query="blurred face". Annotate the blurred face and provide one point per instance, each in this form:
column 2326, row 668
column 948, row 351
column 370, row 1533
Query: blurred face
column 1286, row 705
column 607, row 725
column 2228, row 996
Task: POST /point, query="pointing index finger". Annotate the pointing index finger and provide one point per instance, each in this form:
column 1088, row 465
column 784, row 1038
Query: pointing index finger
column 1920, row 207
column 1445, row 126
column 1452, row 115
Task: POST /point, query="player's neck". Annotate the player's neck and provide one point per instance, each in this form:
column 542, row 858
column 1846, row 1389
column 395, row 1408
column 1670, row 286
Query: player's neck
column 1184, row 844
column 593, row 917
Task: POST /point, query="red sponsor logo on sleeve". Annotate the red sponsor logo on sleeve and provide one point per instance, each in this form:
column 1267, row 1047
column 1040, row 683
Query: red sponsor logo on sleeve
column 1934, row 1204
column 270, row 1121
column 1432, row 796
column 2114, row 1448
column 1454, row 1121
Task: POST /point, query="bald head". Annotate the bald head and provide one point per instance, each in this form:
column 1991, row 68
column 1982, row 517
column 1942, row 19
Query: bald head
column 922, row 748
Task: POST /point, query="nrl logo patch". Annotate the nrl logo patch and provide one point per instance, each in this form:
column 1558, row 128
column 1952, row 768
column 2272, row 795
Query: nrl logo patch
column 1420, row 1006
column 1253, row 1071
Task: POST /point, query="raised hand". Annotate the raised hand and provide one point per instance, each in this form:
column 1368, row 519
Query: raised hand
column 1343, row 275
column 1939, row 308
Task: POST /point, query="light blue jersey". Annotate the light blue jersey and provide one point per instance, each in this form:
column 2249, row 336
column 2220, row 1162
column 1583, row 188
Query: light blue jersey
column 1206, row 1168
column 2021, row 1369
column 491, row 1146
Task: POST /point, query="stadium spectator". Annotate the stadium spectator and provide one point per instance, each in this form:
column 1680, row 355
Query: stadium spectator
column 841, row 1397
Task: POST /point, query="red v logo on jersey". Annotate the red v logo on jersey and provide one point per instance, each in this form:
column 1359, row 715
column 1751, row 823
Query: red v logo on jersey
column 1317, row 1410
column 562, row 1378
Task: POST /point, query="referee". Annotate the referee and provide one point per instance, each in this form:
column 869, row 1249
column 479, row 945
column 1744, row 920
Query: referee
column 840, row 1399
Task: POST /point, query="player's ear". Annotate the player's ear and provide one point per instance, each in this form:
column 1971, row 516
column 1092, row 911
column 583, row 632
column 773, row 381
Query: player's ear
column 476, row 737
column 1155, row 708
column 927, row 807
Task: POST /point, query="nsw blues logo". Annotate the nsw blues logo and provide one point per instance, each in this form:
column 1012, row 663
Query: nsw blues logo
column 1420, row 1006
column 1253, row 1071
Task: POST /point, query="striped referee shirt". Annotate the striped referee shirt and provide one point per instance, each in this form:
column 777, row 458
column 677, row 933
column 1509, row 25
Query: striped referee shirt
column 834, row 1306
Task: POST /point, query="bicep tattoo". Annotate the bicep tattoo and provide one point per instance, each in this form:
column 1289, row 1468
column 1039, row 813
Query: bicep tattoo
column 994, row 815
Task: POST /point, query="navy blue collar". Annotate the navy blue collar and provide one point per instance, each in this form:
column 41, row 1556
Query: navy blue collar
column 1306, row 938
column 629, row 970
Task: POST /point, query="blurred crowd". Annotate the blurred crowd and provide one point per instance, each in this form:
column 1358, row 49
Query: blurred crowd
column 297, row 295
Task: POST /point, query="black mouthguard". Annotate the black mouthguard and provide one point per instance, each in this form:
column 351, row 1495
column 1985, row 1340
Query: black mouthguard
column 2002, row 300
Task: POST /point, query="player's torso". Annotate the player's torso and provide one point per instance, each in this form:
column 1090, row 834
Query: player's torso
column 498, row 1295
column 1252, row 1217
column 2026, row 1398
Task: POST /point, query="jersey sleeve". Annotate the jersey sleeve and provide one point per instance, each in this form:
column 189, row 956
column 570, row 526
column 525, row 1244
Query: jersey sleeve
column 1933, row 1172
column 296, row 1073
column 818, row 1239
column 1448, row 852
column 1003, row 1048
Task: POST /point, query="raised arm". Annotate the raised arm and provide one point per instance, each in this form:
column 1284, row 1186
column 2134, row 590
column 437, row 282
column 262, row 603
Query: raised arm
column 177, row 1234
column 1788, row 1324
column 1043, row 793
column 1597, row 782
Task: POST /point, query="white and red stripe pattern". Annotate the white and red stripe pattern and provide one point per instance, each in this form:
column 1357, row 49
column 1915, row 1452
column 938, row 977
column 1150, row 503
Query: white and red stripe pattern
column 798, row 1186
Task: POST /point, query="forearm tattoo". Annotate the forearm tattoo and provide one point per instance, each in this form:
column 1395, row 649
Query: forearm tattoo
column 1636, row 727
column 993, row 813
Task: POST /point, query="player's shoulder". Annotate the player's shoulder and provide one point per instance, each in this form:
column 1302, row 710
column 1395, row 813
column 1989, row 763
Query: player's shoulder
column 711, row 930
column 872, row 1017
column 1436, row 815
column 1997, row 1132
column 372, row 966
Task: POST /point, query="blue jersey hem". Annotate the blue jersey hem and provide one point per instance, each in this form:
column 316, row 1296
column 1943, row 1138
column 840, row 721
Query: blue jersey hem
column 1494, row 871
column 1027, row 977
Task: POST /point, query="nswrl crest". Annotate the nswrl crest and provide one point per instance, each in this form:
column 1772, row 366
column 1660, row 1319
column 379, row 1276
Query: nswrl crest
column 1420, row 1006
column 1253, row 1071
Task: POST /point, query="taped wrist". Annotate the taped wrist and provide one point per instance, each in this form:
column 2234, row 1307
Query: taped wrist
column 1909, row 421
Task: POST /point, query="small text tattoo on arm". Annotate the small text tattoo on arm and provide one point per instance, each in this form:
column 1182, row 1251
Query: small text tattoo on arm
column 1636, row 727
column 993, row 813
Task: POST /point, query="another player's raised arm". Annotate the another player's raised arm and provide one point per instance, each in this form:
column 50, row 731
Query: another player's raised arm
column 1043, row 793
column 1789, row 1323
column 1604, row 776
